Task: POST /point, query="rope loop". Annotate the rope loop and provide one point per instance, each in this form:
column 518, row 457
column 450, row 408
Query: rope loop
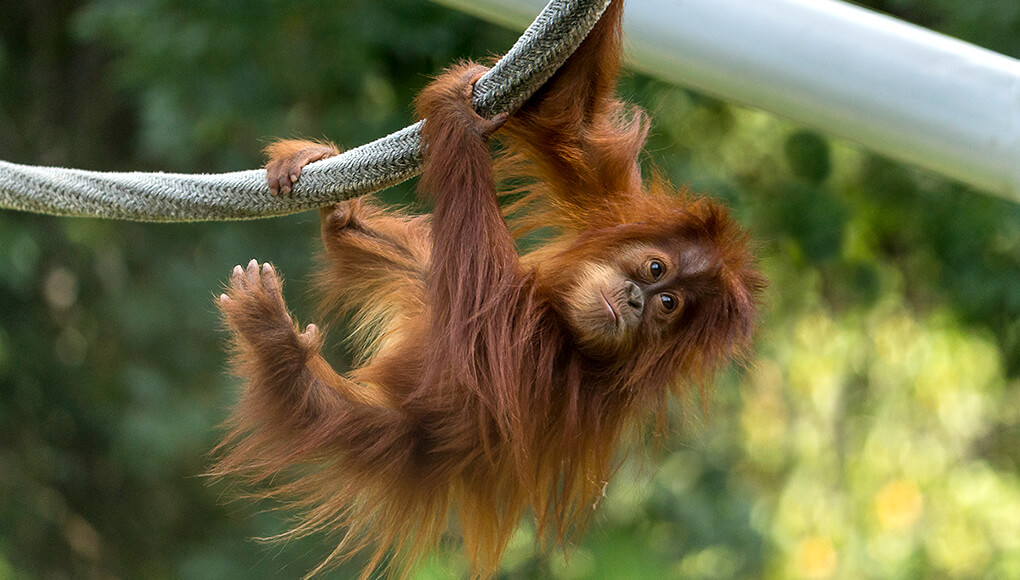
column 167, row 197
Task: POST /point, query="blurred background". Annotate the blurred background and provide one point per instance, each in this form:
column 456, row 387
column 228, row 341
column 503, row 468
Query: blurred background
column 876, row 434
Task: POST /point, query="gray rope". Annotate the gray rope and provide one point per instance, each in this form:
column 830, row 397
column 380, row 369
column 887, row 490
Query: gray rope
column 169, row 197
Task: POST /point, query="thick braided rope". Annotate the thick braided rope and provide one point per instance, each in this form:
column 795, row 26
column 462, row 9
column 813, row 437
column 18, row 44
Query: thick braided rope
column 165, row 197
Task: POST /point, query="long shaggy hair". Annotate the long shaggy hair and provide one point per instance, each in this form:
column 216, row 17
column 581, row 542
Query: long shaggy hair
column 491, row 385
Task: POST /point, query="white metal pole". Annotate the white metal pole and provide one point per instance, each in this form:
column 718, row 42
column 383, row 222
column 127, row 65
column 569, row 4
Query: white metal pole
column 898, row 89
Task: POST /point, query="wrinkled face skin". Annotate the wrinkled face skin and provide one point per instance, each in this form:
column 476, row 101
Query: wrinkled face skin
column 638, row 293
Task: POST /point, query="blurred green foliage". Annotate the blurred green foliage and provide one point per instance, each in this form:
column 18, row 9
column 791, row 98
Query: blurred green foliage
column 875, row 435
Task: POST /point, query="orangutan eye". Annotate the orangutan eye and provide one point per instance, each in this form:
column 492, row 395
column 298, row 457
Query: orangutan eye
column 656, row 268
column 668, row 301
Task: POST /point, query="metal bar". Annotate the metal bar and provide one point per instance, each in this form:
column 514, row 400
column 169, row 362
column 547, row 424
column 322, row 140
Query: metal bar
column 895, row 88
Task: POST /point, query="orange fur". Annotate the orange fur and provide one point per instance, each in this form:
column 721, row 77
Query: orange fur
column 287, row 157
column 491, row 386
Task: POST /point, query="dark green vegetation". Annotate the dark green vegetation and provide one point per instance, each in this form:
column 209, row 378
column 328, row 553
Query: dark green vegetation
column 875, row 435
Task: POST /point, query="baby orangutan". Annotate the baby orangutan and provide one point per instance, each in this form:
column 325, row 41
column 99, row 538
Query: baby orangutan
column 491, row 385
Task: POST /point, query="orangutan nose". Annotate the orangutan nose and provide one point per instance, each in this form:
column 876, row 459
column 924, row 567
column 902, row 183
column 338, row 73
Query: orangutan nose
column 635, row 298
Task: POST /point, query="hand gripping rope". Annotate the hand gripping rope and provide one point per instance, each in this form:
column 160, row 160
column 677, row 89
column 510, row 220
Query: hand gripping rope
column 168, row 197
